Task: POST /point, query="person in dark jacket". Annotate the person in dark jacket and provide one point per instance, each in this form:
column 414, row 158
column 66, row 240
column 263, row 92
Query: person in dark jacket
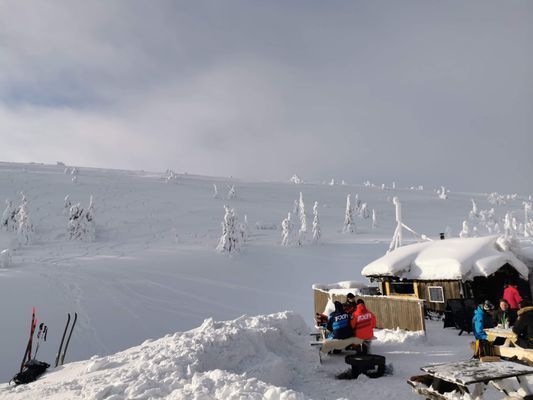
column 523, row 327
column 339, row 323
column 350, row 306
column 504, row 316
column 482, row 320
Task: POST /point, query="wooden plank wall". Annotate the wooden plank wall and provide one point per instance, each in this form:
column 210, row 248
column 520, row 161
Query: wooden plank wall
column 451, row 289
column 391, row 312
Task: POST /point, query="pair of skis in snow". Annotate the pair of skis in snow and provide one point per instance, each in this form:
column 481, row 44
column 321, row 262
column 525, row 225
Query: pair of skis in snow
column 60, row 358
column 41, row 337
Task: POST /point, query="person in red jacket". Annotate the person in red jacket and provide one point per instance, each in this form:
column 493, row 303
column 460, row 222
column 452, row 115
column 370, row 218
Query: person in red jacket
column 363, row 322
column 511, row 295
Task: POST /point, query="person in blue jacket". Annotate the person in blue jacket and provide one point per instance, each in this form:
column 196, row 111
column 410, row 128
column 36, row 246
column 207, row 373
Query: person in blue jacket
column 482, row 320
column 339, row 323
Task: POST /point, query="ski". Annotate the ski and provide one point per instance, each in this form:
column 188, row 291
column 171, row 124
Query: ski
column 69, row 336
column 62, row 340
column 27, row 352
column 41, row 337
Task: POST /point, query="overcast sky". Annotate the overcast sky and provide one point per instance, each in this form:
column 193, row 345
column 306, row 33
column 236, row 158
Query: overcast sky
column 421, row 92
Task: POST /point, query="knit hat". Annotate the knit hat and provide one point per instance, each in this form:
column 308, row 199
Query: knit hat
column 487, row 305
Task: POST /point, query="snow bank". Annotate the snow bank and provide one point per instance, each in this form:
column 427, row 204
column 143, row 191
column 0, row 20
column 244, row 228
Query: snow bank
column 396, row 336
column 458, row 258
column 250, row 357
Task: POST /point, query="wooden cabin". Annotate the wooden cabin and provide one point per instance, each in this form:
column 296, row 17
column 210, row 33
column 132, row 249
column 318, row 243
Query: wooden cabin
column 469, row 268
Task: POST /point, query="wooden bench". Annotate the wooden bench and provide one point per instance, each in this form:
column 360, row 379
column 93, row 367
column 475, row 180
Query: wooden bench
column 326, row 346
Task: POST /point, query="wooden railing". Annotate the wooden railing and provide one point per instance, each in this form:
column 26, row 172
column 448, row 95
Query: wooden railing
column 391, row 311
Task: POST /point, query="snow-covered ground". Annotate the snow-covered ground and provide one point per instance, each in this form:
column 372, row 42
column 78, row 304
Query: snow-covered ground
column 153, row 270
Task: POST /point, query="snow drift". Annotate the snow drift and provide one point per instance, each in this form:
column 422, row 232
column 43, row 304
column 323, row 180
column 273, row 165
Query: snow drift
column 250, row 357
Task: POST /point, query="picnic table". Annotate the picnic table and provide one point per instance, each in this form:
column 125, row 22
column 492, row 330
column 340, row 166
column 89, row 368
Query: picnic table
column 510, row 348
column 470, row 379
column 508, row 334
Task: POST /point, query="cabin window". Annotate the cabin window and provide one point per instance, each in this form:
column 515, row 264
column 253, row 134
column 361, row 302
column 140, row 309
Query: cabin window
column 436, row 294
column 402, row 288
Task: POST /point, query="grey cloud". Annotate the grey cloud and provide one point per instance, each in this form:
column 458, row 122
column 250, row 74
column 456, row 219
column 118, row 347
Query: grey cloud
column 415, row 91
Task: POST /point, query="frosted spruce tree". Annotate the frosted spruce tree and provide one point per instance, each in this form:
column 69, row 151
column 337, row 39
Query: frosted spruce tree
column 443, row 193
column 74, row 226
column 5, row 258
column 286, row 231
column 8, row 217
column 244, row 229
column 231, row 193
column 215, row 191
column 465, row 232
column 374, row 219
column 24, row 226
column 316, row 224
column 229, row 241
column 364, row 212
column 349, row 221
column 81, row 223
column 67, row 205
column 89, row 227
column 302, row 232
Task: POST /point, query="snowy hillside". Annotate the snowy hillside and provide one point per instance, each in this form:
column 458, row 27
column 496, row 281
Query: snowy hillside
column 153, row 270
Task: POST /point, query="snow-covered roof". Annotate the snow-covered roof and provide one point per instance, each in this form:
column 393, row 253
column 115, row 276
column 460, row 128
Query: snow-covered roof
column 341, row 288
column 458, row 258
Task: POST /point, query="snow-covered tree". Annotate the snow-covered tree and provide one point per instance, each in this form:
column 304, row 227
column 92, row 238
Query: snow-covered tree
column 295, row 208
column 443, row 193
column 90, row 227
column 244, row 229
column 5, row 258
column 8, row 217
column 171, row 177
column 508, row 228
column 349, row 221
column 332, row 182
column 474, row 213
column 215, row 191
column 231, row 193
column 295, row 179
column 356, row 204
column 81, row 223
column 24, row 225
column 364, row 212
column 374, row 219
column 286, row 231
column 67, row 205
column 229, row 241
column 316, row 224
column 303, row 221
column 528, row 222
column 465, row 232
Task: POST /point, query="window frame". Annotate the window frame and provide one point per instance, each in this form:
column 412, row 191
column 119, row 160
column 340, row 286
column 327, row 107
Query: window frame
column 442, row 292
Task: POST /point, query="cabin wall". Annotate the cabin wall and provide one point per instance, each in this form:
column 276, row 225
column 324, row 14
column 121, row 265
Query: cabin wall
column 451, row 290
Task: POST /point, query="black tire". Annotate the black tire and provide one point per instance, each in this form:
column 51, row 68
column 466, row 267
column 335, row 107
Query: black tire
column 372, row 365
